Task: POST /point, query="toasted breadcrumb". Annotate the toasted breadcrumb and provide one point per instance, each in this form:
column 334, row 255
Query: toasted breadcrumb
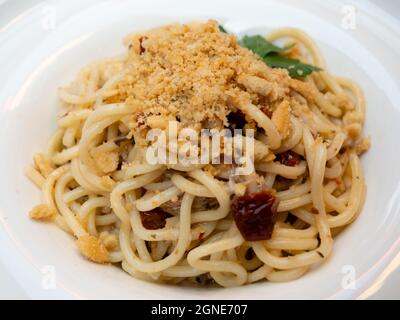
column 43, row 164
column 107, row 182
column 109, row 240
column 270, row 157
column 106, row 159
column 93, row 248
column 281, row 119
column 353, row 130
column 363, row 145
column 239, row 189
column 188, row 72
column 42, row 212
column 212, row 170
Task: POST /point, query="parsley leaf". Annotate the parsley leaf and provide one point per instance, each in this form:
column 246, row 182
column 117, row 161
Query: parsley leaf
column 270, row 55
column 296, row 68
column 222, row 29
column 259, row 45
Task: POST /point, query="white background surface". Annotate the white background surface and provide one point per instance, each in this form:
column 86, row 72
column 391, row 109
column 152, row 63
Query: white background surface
column 9, row 289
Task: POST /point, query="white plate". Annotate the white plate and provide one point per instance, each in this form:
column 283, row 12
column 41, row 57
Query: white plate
column 44, row 48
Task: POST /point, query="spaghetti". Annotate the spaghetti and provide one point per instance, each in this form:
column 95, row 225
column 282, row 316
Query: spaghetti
column 187, row 224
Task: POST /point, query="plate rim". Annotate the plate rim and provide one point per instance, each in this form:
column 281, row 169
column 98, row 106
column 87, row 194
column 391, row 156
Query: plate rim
column 374, row 11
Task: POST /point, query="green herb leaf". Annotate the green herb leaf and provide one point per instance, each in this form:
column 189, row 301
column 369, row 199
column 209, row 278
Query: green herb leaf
column 270, row 54
column 259, row 45
column 296, row 68
column 222, row 29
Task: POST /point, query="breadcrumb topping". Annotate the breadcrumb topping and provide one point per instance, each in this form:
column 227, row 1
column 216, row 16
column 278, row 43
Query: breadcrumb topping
column 93, row 248
column 107, row 182
column 240, row 189
column 109, row 240
column 106, row 157
column 42, row 212
column 43, row 164
column 188, row 72
column 281, row 119
column 363, row 145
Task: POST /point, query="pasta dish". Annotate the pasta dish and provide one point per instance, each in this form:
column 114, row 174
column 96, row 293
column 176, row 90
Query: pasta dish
column 199, row 158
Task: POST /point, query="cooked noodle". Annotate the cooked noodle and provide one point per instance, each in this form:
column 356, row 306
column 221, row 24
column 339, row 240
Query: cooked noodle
column 96, row 182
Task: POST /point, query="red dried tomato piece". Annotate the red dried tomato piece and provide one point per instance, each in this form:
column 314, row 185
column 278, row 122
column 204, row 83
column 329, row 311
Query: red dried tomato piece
column 154, row 219
column 142, row 49
column 249, row 254
column 201, row 236
column 314, row 210
column 267, row 111
column 237, row 120
column 289, row 158
column 255, row 215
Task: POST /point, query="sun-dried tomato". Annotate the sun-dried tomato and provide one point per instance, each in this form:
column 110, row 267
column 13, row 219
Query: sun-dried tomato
column 201, row 235
column 249, row 254
column 154, row 219
column 267, row 111
column 314, row 210
column 290, row 219
column 141, row 48
column 289, row 158
column 255, row 215
column 236, row 120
